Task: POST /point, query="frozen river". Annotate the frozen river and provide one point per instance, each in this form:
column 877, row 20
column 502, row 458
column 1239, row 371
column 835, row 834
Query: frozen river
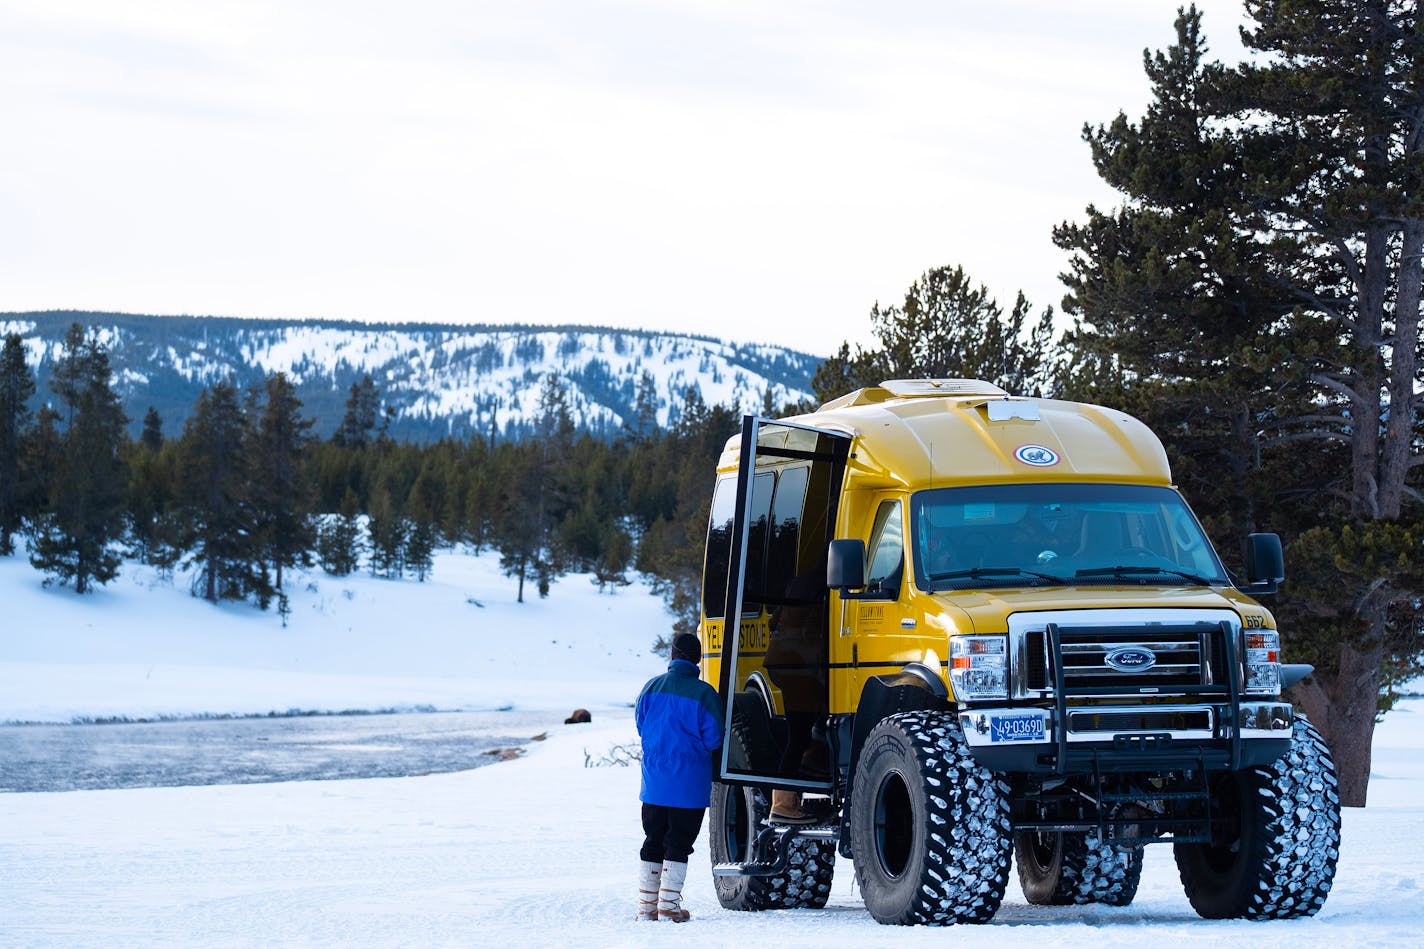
column 257, row 750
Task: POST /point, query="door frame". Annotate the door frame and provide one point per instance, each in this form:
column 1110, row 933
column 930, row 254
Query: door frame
column 837, row 457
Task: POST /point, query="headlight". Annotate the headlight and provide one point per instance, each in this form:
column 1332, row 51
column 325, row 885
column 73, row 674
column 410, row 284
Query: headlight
column 979, row 667
column 1263, row 661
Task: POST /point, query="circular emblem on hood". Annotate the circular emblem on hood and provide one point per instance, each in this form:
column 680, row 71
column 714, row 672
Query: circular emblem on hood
column 1130, row 659
column 1037, row 456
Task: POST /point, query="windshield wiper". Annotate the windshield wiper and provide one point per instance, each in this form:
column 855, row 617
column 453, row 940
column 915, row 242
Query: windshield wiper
column 976, row 573
column 1141, row 572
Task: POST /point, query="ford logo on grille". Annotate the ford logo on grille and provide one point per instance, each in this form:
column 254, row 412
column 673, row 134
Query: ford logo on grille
column 1130, row 659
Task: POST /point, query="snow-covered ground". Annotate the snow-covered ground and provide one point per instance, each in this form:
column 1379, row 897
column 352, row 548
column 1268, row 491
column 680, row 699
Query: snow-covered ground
column 142, row 647
column 538, row 851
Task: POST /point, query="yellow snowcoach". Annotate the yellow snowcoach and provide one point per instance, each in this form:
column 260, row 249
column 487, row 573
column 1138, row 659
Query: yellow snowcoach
column 954, row 626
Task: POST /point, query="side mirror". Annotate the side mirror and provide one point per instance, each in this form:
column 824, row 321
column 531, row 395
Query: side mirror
column 845, row 566
column 1265, row 563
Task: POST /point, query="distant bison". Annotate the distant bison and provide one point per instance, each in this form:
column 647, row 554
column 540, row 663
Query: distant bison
column 579, row 717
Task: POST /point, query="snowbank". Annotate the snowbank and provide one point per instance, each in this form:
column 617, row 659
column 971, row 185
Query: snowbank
column 144, row 648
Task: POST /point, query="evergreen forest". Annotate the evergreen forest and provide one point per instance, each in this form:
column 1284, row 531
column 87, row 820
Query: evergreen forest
column 248, row 491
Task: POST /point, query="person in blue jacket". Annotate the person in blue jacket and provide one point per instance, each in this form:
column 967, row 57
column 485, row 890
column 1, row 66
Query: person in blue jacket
column 680, row 723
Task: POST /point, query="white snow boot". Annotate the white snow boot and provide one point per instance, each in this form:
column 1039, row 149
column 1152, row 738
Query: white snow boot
column 649, row 875
column 670, row 893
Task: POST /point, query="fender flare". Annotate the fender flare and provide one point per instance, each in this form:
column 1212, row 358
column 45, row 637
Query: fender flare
column 913, row 688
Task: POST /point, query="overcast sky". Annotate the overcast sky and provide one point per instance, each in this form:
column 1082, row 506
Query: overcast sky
column 760, row 171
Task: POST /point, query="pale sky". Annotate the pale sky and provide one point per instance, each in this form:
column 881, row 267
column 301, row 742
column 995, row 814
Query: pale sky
column 757, row 171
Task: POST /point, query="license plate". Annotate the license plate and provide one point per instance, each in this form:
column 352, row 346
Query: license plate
column 1015, row 728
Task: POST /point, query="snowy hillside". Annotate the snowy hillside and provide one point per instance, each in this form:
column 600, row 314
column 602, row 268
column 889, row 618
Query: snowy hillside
column 534, row 852
column 144, row 648
column 437, row 379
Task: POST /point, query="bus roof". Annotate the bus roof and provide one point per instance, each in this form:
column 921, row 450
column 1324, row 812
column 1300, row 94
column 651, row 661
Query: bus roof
column 920, row 433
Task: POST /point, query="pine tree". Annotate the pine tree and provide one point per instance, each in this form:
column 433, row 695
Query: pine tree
column 421, row 530
column 947, row 328
column 17, row 384
column 39, row 462
column 1270, row 249
column 516, row 512
column 645, row 407
column 282, row 497
column 1335, row 161
column 672, row 543
column 387, row 529
column 615, row 555
column 363, row 412
column 215, row 498
column 536, row 485
column 152, row 435
column 155, row 523
column 74, row 537
column 1177, row 320
column 339, row 542
column 72, row 372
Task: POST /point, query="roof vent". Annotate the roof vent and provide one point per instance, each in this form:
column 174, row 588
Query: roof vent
column 910, row 388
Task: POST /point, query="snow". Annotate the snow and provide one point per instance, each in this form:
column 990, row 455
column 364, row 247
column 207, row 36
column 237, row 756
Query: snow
column 141, row 647
column 447, row 375
column 539, row 851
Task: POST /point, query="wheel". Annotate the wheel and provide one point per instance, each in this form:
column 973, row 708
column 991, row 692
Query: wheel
column 1060, row 869
column 929, row 827
column 1274, row 855
column 737, row 814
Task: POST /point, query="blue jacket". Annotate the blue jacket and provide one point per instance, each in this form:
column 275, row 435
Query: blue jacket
column 680, row 722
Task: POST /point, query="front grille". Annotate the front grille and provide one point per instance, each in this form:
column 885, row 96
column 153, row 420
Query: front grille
column 1187, row 655
column 1036, row 668
column 1141, row 720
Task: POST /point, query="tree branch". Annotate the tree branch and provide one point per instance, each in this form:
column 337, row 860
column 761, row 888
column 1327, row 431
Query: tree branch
column 1307, row 436
column 1320, row 303
column 1336, row 386
column 1302, row 419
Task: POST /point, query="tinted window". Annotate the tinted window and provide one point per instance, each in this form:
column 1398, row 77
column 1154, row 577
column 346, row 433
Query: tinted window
column 887, row 549
column 719, row 548
column 758, row 535
column 1077, row 533
column 785, row 531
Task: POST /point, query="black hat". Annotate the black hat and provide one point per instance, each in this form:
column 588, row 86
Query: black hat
column 686, row 646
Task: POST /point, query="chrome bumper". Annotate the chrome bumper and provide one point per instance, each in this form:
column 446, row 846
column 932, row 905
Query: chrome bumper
column 1013, row 727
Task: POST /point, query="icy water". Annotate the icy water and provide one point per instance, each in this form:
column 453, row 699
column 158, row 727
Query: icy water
column 257, row 750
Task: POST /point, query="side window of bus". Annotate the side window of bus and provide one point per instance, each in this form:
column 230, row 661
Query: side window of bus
column 887, row 550
column 755, row 591
column 719, row 549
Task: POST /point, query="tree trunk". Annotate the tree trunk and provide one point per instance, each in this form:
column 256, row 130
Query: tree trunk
column 1242, row 463
column 1399, row 431
column 1343, row 707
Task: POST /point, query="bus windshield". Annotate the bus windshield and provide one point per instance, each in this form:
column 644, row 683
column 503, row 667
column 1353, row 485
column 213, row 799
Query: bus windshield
column 1048, row 534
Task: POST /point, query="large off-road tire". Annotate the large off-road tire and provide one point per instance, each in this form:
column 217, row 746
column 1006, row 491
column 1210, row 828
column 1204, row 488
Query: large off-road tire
column 1277, row 859
column 737, row 815
column 1062, row 869
column 929, row 827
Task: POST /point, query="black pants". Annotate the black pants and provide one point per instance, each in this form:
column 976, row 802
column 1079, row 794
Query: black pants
column 670, row 832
